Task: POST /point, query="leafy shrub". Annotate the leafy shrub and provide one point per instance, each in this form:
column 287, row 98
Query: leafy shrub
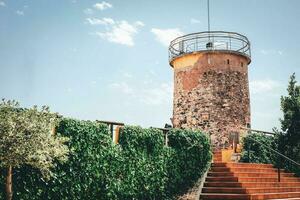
column 144, row 174
column 2, row 184
column 87, row 173
column 189, row 158
column 258, row 152
column 162, row 172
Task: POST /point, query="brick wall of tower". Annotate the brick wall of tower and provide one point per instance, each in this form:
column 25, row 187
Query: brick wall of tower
column 211, row 93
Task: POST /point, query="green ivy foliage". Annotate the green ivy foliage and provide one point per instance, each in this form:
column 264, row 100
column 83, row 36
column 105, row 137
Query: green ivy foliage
column 2, row 184
column 144, row 174
column 190, row 155
column 87, row 173
column 141, row 166
column 162, row 172
column 259, row 153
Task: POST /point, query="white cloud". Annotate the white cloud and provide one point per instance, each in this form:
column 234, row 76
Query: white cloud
column 93, row 83
column 88, row 11
column 69, row 90
column 103, row 5
column 127, row 75
column 19, row 12
column 2, row 3
column 74, row 49
column 139, row 23
column 157, row 96
column 152, row 72
column 263, row 86
column 195, row 21
column 120, row 32
column 165, row 36
column 149, row 94
column 123, row 87
column 103, row 21
column 271, row 52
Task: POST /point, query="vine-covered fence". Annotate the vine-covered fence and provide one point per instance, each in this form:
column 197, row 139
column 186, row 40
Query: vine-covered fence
column 140, row 166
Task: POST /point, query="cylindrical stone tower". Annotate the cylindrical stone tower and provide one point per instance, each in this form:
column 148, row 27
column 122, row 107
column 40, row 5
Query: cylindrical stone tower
column 211, row 90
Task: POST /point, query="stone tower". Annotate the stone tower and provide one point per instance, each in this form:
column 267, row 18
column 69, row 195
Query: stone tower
column 211, row 90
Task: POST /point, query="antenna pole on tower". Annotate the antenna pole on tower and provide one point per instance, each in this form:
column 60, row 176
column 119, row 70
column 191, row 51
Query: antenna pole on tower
column 208, row 16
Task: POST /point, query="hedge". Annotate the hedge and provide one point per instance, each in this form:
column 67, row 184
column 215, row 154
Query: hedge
column 163, row 172
column 140, row 167
column 145, row 167
column 92, row 152
column 259, row 153
column 190, row 156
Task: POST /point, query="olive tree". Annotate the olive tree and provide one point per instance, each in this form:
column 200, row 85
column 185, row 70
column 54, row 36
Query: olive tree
column 27, row 138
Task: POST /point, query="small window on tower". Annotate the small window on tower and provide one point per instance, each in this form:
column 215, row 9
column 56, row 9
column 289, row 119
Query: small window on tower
column 242, row 64
column 227, row 61
column 205, row 117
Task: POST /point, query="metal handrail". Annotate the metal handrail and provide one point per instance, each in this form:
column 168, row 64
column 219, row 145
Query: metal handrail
column 273, row 150
column 210, row 41
column 269, row 148
column 258, row 131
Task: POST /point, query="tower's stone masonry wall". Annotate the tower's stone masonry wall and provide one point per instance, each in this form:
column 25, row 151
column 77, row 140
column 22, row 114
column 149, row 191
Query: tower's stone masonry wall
column 211, row 92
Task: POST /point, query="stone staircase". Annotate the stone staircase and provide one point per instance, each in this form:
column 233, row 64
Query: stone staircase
column 248, row 181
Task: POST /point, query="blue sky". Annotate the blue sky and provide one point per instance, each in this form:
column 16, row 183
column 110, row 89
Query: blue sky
column 108, row 60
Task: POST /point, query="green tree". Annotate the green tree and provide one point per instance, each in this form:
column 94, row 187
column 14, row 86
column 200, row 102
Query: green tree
column 27, row 139
column 289, row 139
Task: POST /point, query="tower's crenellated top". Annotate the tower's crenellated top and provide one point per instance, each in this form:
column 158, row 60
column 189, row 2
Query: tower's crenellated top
column 210, row 41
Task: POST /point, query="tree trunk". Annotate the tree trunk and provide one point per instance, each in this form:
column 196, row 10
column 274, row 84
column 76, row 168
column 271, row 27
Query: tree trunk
column 9, row 192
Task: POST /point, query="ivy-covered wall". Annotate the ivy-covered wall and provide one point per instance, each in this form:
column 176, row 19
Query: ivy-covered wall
column 139, row 167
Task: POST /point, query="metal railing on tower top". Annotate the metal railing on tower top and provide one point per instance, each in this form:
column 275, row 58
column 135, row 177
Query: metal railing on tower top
column 210, row 41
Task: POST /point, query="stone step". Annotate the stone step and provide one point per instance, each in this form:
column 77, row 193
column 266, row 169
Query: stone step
column 230, row 190
column 272, row 190
column 287, row 199
column 265, row 179
column 216, row 196
column 264, row 196
column 249, row 174
column 249, row 190
column 275, row 195
column 251, row 179
column 243, row 169
column 250, row 165
column 252, row 184
column 221, row 179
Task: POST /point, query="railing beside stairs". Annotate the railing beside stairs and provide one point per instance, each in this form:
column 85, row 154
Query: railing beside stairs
column 282, row 160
